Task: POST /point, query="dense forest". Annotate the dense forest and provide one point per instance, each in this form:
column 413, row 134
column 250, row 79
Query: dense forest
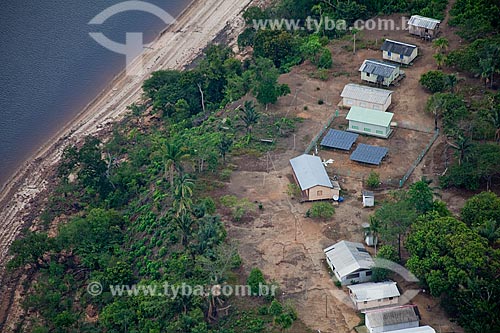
column 136, row 208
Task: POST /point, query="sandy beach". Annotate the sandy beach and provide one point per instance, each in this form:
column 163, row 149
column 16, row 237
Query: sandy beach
column 175, row 48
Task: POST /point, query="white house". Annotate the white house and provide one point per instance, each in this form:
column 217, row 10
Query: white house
column 374, row 294
column 398, row 51
column 392, row 319
column 420, row 329
column 366, row 97
column 379, row 72
column 424, row 27
column 310, row 174
column 371, row 122
column 350, row 262
column 368, row 199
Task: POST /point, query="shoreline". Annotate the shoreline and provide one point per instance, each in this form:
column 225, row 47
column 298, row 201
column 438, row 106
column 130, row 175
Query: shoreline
column 175, row 47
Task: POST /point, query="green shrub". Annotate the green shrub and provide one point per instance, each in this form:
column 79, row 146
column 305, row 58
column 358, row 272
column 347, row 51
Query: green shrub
column 255, row 280
column 321, row 210
column 373, row 180
column 293, row 190
column 434, row 81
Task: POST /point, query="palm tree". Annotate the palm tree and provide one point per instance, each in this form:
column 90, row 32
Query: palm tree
column 451, row 81
column 184, row 223
column 250, row 116
column 374, row 230
column 440, row 44
column 495, row 119
column 183, row 191
column 224, row 146
column 462, row 145
column 490, row 230
column 436, row 105
column 173, row 154
column 440, row 58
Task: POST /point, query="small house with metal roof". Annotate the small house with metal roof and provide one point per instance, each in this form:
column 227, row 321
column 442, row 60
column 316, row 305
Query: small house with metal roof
column 420, row 329
column 399, row 52
column 371, row 122
column 310, row 174
column 392, row 319
column 424, row 27
column 374, row 294
column 379, row 72
column 350, row 262
column 366, row 97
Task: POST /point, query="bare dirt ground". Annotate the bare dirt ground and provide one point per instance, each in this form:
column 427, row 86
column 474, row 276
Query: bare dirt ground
column 287, row 246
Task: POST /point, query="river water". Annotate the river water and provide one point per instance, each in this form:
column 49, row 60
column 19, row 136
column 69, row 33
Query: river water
column 50, row 67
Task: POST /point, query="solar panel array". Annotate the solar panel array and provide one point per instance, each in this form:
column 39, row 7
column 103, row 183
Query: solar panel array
column 369, row 154
column 339, row 139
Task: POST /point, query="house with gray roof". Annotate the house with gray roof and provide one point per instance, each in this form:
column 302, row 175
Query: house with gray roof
column 420, row 329
column 424, row 27
column 370, row 122
column 392, row 319
column 379, row 72
column 350, row 262
column 310, row 174
column 366, row 97
column 398, row 51
column 372, row 295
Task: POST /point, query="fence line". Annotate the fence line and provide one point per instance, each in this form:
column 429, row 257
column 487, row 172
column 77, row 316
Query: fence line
column 419, row 159
column 323, row 130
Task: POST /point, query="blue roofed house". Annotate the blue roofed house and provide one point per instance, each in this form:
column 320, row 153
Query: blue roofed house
column 398, row 51
column 379, row 72
column 310, row 174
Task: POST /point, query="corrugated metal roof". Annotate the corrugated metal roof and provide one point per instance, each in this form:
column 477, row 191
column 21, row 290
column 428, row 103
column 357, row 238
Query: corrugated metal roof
column 366, row 94
column 391, row 316
column 310, row 172
column 348, row 257
column 370, row 116
column 424, row 22
column 339, row 139
column 420, row 329
column 374, row 290
column 398, row 47
column 376, row 67
column 369, row 154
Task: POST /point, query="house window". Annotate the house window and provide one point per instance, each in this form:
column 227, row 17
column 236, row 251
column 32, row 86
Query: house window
column 319, row 193
column 366, row 129
column 369, row 273
column 391, row 298
column 389, row 54
column 365, row 302
column 367, row 74
column 379, row 132
column 379, row 300
column 352, row 276
column 401, row 56
column 355, row 127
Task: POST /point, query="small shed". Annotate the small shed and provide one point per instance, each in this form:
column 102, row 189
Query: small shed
column 366, row 97
column 310, row 174
column 379, row 72
column 374, row 294
column 420, row 329
column 424, row 27
column 398, row 51
column 391, row 319
column 369, row 121
column 350, row 262
column 368, row 199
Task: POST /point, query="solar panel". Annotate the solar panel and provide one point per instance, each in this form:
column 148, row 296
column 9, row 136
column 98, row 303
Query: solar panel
column 369, row 154
column 339, row 139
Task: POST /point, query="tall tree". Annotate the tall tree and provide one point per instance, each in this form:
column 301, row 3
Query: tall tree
column 250, row 116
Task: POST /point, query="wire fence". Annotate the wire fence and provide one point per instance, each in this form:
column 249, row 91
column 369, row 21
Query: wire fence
column 419, row 159
column 320, row 134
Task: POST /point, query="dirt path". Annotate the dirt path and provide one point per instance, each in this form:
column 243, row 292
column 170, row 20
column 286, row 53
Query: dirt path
column 175, row 48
